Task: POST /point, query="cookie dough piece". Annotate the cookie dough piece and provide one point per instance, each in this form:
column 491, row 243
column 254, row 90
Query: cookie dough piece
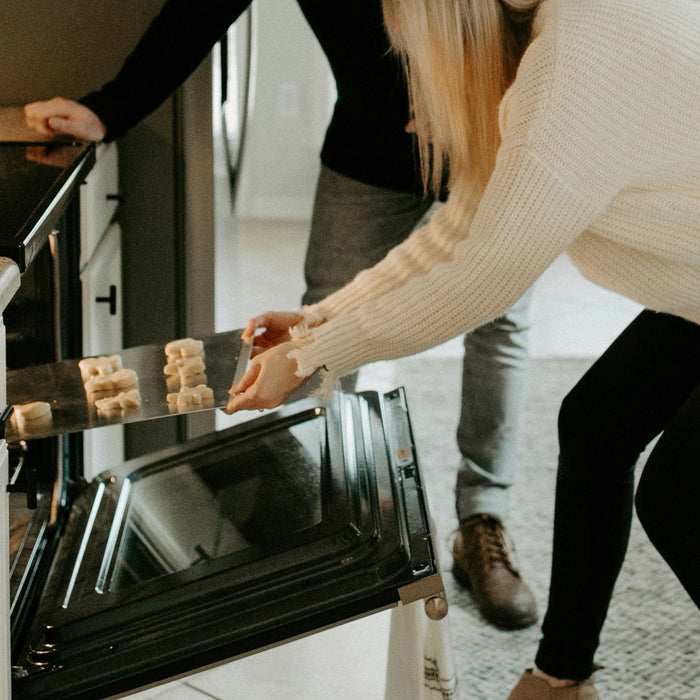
column 184, row 347
column 192, row 381
column 99, row 366
column 122, row 403
column 190, row 398
column 187, row 372
column 36, row 414
column 185, row 367
column 121, row 379
column 36, row 410
column 174, row 383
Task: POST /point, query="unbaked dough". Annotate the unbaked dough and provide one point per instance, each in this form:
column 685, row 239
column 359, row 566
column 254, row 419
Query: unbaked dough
column 184, row 347
column 99, row 366
column 184, row 372
column 175, row 383
column 124, row 402
column 190, row 398
column 32, row 411
column 185, row 367
column 121, row 379
column 36, row 414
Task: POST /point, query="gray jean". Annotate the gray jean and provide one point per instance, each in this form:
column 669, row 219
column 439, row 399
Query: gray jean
column 354, row 225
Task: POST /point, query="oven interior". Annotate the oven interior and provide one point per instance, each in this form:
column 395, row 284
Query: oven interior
column 42, row 325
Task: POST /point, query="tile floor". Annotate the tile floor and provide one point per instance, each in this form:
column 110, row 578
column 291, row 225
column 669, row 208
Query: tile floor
column 263, row 270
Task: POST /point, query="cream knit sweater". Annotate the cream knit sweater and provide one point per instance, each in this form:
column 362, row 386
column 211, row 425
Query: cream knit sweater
column 600, row 157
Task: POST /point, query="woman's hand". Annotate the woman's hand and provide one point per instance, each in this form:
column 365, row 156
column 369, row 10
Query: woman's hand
column 61, row 116
column 269, row 381
column 276, row 325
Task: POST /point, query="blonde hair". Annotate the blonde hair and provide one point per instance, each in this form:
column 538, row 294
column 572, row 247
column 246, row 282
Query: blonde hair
column 460, row 56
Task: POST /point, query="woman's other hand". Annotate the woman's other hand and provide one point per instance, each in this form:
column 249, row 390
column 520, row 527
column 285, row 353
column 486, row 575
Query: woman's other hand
column 268, row 382
column 60, row 116
column 269, row 329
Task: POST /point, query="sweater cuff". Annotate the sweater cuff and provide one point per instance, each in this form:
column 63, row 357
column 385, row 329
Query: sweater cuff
column 105, row 111
column 313, row 315
column 334, row 352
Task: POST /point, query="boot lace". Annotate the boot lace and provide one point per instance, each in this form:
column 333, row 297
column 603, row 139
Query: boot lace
column 491, row 540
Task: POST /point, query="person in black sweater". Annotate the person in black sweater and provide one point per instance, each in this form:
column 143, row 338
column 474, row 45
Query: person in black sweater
column 369, row 198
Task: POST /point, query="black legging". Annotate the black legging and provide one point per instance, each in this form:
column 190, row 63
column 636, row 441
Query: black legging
column 646, row 383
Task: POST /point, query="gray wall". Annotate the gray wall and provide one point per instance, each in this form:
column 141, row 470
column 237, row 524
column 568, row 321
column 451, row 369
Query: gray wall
column 294, row 94
column 65, row 48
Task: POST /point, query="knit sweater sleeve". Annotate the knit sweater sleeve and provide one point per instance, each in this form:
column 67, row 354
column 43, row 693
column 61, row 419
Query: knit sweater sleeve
column 526, row 218
column 433, row 243
column 425, row 247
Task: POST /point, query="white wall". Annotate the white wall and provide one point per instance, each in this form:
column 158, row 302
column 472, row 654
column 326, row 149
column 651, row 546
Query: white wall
column 294, row 93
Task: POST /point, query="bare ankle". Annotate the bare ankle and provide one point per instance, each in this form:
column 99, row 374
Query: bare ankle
column 552, row 680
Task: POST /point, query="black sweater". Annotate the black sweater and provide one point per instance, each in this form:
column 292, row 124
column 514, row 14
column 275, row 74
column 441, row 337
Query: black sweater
column 365, row 139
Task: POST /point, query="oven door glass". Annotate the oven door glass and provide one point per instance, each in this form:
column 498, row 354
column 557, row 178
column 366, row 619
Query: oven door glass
column 244, row 538
column 217, row 504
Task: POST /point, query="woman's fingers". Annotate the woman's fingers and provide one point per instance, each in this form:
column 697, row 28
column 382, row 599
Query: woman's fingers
column 247, row 380
column 252, row 326
column 270, row 380
column 270, row 328
column 271, row 377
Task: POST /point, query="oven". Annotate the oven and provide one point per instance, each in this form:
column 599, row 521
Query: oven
column 210, row 549
column 42, row 326
column 229, row 543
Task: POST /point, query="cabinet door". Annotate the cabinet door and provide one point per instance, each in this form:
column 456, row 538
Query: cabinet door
column 99, row 199
column 102, row 334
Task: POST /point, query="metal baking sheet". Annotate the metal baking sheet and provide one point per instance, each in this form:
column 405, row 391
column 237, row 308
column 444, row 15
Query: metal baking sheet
column 72, row 408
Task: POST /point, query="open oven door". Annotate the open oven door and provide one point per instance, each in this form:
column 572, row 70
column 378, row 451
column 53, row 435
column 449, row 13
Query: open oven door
column 242, row 539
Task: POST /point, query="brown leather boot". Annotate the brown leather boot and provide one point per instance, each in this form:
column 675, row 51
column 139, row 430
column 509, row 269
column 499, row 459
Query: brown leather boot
column 531, row 687
column 482, row 565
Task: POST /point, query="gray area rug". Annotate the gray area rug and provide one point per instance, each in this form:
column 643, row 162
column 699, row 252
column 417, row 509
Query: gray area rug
column 651, row 642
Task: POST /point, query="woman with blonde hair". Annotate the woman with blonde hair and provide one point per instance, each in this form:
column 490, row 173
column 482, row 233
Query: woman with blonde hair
column 568, row 125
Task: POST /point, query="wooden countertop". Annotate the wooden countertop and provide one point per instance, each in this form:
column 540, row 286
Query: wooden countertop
column 14, row 129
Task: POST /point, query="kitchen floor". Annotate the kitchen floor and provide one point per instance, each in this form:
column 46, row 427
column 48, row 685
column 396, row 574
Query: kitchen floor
column 262, row 269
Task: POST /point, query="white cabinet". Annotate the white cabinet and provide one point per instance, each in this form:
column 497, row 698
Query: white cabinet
column 101, row 281
column 102, row 300
column 99, row 198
